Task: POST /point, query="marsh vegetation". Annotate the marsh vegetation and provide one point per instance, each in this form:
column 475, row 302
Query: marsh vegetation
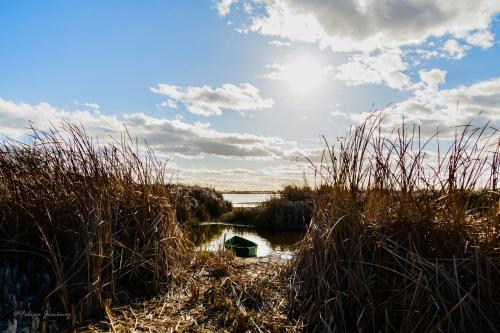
column 97, row 219
column 403, row 238
column 289, row 209
column 402, row 234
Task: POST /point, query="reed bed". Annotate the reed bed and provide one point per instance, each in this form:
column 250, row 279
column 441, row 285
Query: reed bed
column 282, row 214
column 194, row 204
column 95, row 216
column 405, row 234
column 289, row 209
column 294, row 193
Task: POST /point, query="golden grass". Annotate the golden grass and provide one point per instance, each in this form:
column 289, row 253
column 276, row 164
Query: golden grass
column 223, row 294
column 97, row 214
column 401, row 240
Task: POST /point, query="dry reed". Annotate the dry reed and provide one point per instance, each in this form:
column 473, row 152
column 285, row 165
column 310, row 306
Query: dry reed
column 97, row 215
column 403, row 239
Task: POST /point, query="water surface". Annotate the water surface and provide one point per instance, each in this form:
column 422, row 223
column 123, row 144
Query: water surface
column 246, row 199
column 211, row 237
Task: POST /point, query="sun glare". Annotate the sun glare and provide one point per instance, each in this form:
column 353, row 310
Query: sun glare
column 303, row 75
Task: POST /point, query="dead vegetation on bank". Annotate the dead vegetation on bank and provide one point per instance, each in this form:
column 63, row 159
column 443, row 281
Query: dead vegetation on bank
column 403, row 240
column 96, row 217
column 221, row 294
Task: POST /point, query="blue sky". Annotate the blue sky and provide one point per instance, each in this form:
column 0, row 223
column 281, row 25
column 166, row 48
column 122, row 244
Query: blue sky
column 240, row 90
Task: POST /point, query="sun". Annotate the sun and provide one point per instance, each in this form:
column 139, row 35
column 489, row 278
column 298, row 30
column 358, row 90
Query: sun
column 303, row 75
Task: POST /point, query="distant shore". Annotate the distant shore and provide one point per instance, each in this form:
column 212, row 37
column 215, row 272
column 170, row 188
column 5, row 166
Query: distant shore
column 247, row 192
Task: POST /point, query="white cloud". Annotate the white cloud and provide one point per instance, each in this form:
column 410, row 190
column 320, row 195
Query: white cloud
column 169, row 104
column 337, row 113
column 384, row 67
column 224, row 6
column 296, row 70
column 281, row 21
column 199, row 139
column 279, row 43
column 15, row 118
column 431, row 79
column 92, row 105
column 365, row 25
column 427, row 54
column 482, row 38
column 248, row 8
column 455, row 49
column 207, row 101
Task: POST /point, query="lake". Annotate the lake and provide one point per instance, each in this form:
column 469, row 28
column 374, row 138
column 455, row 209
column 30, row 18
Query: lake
column 246, row 199
column 210, row 237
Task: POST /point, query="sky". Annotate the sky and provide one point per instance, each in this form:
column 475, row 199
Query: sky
column 238, row 92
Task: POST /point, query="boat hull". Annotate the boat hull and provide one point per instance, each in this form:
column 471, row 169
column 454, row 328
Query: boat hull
column 241, row 247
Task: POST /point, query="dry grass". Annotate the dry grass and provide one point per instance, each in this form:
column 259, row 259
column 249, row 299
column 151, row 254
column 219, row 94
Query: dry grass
column 97, row 215
column 402, row 240
column 223, row 294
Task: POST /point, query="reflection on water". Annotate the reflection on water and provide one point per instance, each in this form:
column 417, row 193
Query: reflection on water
column 246, row 199
column 211, row 237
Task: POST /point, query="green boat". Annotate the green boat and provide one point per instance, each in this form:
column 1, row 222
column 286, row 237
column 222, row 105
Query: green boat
column 242, row 247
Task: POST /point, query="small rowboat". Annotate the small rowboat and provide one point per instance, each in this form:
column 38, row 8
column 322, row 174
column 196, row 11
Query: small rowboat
column 242, row 247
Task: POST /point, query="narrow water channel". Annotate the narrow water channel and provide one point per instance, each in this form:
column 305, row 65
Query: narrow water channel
column 210, row 237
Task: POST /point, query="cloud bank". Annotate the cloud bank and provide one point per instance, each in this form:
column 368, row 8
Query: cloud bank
column 207, row 101
column 432, row 108
column 164, row 135
column 365, row 25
